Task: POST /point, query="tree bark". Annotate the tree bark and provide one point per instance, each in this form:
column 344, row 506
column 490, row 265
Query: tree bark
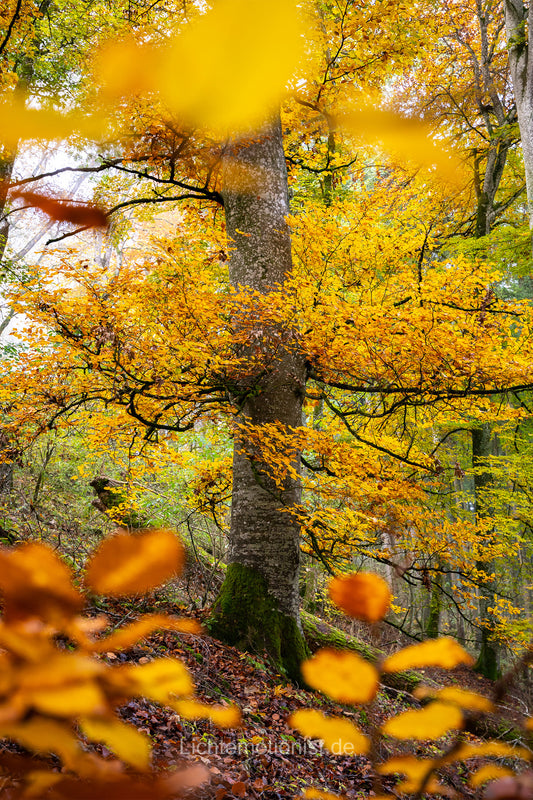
column 258, row 605
column 487, row 661
column 518, row 21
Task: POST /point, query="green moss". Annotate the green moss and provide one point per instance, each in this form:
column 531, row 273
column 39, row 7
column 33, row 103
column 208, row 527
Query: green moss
column 246, row 616
column 320, row 634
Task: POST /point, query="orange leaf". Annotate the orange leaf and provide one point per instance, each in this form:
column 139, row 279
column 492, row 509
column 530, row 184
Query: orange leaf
column 83, row 214
column 343, row 676
column 431, row 722
column 238, row 789
column 128, row 564
column 363, row 595
column 36, row 583
column 445, row 652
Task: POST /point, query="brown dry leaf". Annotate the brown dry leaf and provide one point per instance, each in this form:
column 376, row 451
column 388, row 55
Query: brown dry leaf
column 238, row 789
column 431, row 722
column 341, row 675
column 444, row 652
column 189, row 778
column 363, row 595
column 129, row 564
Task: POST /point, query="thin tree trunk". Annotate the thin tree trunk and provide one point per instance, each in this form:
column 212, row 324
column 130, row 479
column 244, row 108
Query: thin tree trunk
column 487, row 661
column 258, row 605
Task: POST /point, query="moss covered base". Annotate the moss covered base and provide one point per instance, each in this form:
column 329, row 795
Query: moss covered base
column 246, row 616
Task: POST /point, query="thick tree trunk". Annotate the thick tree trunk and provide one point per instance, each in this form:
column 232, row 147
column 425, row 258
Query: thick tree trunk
column 258, row 605
column 518, row 22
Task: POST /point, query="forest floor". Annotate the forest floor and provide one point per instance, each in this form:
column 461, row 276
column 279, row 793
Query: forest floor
column 265, row 759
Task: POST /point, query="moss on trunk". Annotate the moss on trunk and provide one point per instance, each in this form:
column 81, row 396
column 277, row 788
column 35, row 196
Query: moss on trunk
column 246, row 616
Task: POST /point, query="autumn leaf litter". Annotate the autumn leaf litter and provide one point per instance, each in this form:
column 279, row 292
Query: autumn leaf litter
column 265, row 758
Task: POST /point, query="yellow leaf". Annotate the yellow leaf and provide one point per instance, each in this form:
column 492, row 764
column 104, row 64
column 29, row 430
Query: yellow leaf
column 496, row 749
column 340, row 736
column 158, row 680
column 444, row 652
column 128, row 564
column 363, row 595
column 319, row 794
column 59, row 670
column 227, row 70
column 410, row 139
column 414, row 768
column 343, row 676
column 456, row 695
column 490, row 772
column 39, row 781
column 68, row 701
column 28, row 646
column 124, row 740
column 19, row 122
column 45, row 736
column 431, row 722
column 222, row 716
column 36, row 583
column 129, row 635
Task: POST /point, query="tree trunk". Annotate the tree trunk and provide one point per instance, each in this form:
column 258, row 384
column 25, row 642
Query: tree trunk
column 487, row 661
column 518, row 22
column 258, row 605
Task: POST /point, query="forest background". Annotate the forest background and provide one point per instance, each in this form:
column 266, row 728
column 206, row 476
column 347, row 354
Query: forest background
column 282, row 305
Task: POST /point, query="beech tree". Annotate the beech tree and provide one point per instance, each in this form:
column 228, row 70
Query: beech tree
column 168, row 342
